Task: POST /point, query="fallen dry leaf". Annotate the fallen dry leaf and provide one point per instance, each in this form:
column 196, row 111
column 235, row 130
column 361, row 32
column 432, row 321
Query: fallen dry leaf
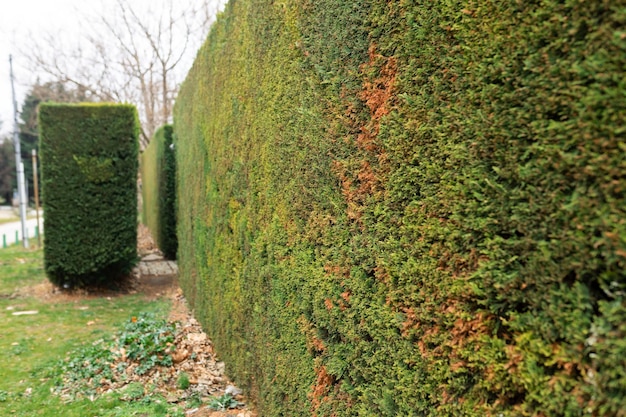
column 25, row 313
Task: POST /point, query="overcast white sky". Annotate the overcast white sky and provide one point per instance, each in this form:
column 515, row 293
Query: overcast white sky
column 18, row 19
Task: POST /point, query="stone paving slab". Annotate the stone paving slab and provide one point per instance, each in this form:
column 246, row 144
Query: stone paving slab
column 152, row 257
column 158, row 268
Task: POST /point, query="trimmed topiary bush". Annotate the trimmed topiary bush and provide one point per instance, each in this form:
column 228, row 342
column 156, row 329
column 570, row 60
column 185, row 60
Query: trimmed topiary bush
column 89, row 163
column 158, row 177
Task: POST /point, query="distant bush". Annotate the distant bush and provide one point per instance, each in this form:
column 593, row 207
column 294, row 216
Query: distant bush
column 89, row 163
column 404, row 208
column 158, row 177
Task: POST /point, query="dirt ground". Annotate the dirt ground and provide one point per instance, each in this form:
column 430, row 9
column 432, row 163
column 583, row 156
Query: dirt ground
column 193, row 353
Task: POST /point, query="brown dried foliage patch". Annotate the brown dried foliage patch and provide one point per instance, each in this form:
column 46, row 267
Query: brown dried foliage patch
column 378, row 94
column 320, row 390
column 464, row 331
column 313, row 343
column 337, row 270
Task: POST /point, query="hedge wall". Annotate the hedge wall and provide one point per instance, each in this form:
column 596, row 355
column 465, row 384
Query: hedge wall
column 89, row 164
column 410, row 208
column 158, row 190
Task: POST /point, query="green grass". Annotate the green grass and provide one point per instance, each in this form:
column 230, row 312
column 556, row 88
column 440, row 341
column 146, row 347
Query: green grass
column 20, row 268
column 34, row 345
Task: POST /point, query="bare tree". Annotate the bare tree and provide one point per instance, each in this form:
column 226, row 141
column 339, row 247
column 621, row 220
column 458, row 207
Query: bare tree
column 129, row 54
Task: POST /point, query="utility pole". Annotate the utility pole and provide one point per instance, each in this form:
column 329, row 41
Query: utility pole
column 36, row 184
column 18, row 162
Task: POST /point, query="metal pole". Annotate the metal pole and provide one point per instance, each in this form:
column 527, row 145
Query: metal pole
column 36, row 184
column 18, row 162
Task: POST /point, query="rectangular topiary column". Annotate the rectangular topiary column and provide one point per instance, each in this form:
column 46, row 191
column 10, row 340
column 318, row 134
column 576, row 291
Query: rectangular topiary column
column 158, row 176
column 89, row 163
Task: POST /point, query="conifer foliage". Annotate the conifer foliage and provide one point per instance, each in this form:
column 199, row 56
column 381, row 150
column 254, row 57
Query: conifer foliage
column 158, row 179
column 406, row 208
column 89, row 164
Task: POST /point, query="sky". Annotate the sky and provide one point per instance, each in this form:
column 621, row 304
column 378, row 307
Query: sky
column 20, row 19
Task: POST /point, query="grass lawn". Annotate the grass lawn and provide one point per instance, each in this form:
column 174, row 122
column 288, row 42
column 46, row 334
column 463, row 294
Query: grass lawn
column 34, row 344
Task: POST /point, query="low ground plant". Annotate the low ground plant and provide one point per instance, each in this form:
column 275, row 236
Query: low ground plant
column 147, row 340
column 223, row 403
column 142, row 343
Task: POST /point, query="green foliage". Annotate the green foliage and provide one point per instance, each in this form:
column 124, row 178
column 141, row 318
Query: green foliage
column 399, row 208
column 28, row 129
column 4, row 396
column 183, row 381
column 147, row 340
column 223, row 403
column 158, row 175
column 89, row 162
column 7, row 170
column 144, row 341
column 133, row 392
column 91, row 363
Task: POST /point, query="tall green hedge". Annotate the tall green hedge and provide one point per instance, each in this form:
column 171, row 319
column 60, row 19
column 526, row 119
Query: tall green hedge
column 158, row 178
column 410, row 208
column 89, row 164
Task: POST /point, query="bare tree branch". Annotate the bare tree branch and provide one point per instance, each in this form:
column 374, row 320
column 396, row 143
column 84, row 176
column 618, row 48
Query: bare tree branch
column 128, row 54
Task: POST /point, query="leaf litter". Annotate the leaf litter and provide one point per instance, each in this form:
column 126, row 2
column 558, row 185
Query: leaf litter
column 171, row 359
